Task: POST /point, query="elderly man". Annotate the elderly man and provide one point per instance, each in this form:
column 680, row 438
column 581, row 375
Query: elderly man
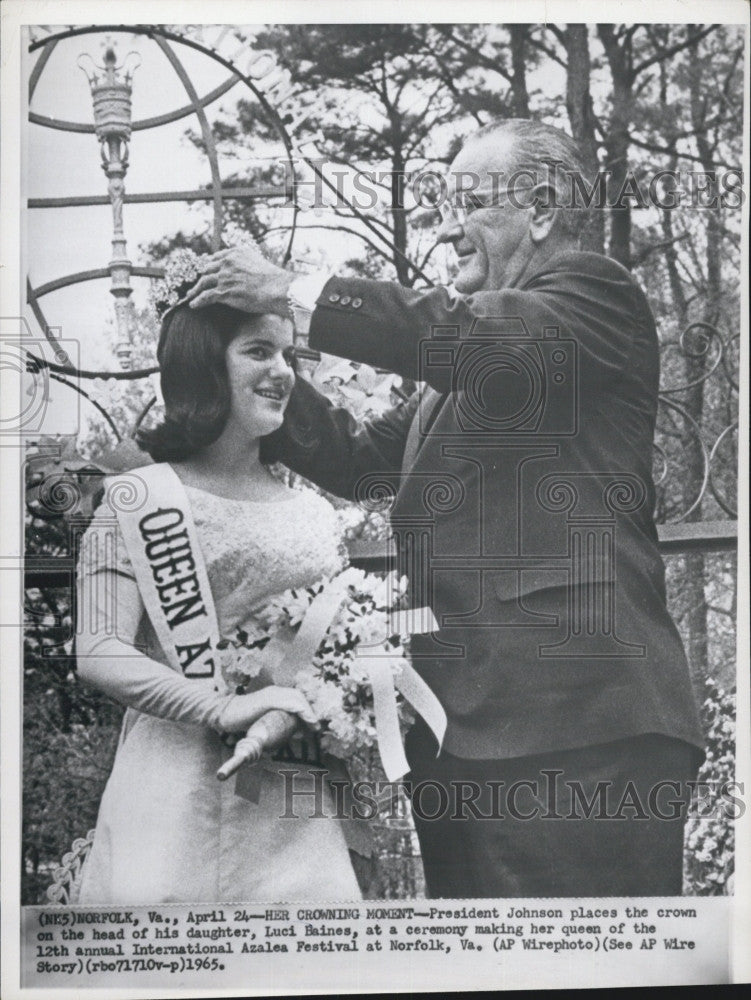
column 522, row 514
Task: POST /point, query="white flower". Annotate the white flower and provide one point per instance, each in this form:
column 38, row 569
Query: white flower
column 337, row 681
column 182, row 269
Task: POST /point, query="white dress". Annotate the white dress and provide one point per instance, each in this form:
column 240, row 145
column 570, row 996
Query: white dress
column 168, row 830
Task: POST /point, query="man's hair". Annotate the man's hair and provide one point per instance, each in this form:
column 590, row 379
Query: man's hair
column 550, row 155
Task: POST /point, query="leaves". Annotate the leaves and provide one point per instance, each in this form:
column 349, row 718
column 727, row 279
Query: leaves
column 360, row 388
column 710, row 832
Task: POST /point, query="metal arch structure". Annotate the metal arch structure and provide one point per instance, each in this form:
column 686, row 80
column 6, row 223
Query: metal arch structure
column 166, row 34
column 206, row 134
column 161, row 36
column 167, row 38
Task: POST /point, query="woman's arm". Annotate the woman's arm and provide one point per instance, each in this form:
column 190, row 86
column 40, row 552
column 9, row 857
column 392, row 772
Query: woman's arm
column 109, row 612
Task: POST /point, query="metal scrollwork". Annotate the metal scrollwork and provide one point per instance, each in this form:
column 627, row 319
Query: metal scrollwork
column 695, row 454
column 66, row 880
column 708, row 339
column 722, row 499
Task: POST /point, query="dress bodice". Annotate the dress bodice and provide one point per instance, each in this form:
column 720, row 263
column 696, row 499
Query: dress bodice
column 252, row 550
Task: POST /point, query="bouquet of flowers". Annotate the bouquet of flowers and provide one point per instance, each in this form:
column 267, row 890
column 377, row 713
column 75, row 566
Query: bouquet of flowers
column 336, row 680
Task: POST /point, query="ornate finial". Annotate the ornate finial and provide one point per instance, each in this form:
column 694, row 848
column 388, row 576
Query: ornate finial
column 111, row 89
column 111, row 93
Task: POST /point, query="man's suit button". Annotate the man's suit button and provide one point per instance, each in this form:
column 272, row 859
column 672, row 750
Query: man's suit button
column 356, row 303
column 346, row 300
column 334, row 297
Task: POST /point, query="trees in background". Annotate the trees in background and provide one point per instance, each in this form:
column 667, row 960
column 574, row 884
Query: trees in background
column 640, row 99
column 393, row 100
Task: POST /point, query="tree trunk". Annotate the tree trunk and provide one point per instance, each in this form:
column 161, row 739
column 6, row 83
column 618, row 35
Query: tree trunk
column 617, row 142
column 692, row 590
column 581, row 118
column 398, row 212
column 519, row 95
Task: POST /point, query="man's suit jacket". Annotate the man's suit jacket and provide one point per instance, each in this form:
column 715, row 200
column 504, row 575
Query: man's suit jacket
column 523, row 514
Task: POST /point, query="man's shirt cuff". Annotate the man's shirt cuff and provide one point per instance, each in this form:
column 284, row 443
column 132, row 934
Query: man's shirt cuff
column 304, row 292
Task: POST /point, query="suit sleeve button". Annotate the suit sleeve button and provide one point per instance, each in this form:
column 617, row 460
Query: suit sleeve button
column 356, row 303
column 346, row 300
column 334, row 297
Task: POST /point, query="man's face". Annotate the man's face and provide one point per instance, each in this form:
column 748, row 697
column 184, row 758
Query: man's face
column 492, row 245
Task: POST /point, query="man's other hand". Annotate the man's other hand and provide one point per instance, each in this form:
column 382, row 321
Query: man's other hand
column 244, row 279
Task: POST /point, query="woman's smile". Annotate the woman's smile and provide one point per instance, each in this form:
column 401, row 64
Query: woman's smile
column 276, row 395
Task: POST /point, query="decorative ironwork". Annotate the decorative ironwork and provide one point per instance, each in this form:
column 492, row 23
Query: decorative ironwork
column 241, row 193
column 269, row 86
column 145, row 123
column 66, row 884
column 113, row 126
column 696, row 437
column 111, row 92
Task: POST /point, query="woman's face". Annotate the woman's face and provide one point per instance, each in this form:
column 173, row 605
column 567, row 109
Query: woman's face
column 259, row 361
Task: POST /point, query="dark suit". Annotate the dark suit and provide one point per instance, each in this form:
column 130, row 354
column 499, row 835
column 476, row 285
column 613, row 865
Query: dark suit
column 523, row 512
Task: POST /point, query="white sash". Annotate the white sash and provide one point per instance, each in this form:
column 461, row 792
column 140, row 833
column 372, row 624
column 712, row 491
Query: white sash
column 163, row 546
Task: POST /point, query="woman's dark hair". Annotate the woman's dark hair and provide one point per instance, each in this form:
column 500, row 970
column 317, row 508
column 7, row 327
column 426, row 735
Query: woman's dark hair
column 195, row 387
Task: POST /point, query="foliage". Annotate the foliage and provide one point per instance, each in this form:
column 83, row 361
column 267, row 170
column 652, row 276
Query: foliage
column 69, row 732
column 336, row 682
column 365, row 393
column 710, row 832
column 719, row 572
column 64, row 778
column 371, row 99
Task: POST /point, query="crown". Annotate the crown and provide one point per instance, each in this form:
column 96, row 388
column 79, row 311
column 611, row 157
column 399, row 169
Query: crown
column 182, row 270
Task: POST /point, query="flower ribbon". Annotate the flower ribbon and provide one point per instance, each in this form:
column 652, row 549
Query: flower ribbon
column 377, row 661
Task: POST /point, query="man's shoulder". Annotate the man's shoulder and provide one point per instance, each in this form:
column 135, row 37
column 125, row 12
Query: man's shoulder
column 588, row 265
column 597, row 277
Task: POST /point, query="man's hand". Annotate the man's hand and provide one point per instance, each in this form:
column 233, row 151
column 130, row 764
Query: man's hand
column 244, row 279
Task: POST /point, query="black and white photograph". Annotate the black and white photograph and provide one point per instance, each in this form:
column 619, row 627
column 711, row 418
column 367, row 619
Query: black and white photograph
column 374, row 452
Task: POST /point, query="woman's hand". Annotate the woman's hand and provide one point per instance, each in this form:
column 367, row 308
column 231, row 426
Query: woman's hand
column 242, row 710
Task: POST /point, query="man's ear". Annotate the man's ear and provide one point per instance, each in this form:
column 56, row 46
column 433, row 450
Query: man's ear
column 543, row 209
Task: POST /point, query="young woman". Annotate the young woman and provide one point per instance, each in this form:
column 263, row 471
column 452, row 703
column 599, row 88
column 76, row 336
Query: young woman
column 167, row 830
